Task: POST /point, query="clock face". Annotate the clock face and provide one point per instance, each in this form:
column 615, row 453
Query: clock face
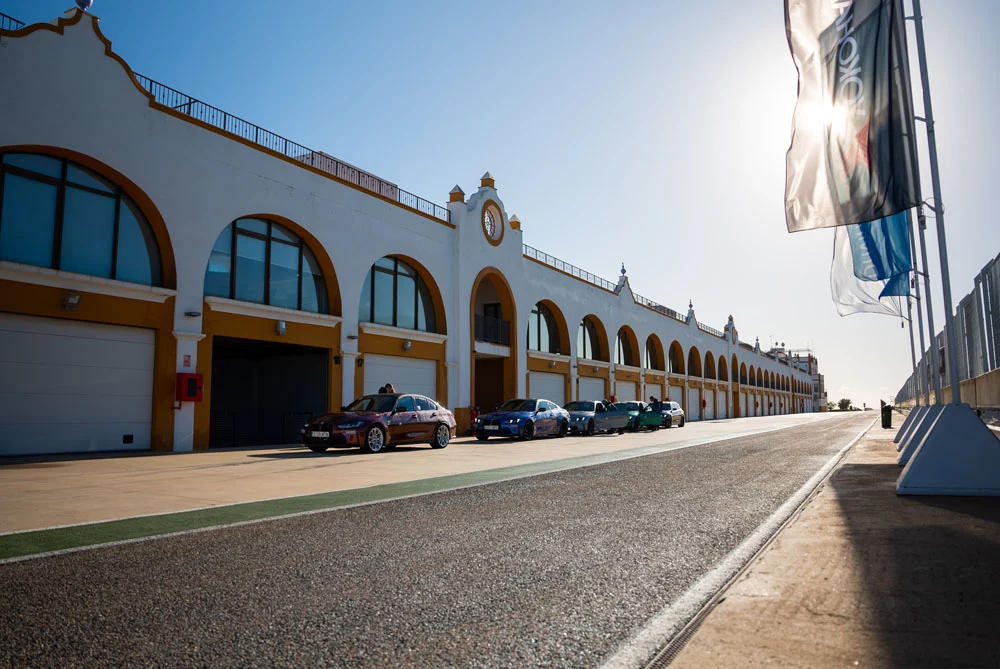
column 492, row 224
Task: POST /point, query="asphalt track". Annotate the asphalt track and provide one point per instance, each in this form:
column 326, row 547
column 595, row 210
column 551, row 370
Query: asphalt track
column 559, row 570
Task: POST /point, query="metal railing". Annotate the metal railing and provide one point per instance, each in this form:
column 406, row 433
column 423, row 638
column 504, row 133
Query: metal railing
column 215, row 117
column 492, row 330
column 10, row 23
column 552, row 261
column 710, row 330
column 667, row 311
column 746, row 346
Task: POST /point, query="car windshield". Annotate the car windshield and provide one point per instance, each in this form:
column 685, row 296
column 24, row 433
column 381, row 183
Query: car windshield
column 629, row 406
column 373, row 403
column 579, row 406
column 518, row 405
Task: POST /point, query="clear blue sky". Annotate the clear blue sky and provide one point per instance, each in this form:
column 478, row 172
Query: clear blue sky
column 651, row 133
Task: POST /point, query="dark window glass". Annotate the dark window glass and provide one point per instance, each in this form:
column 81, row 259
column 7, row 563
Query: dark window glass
column 424, row 404
column 543, row 332
column 88, row 233
column 27, row 221
column 313, row 285
column 284, row 279
column 50, row 167
column 220, row 265
column 138, row 252
column 426, row 320
column 84, row 177
column 250, row 253
column 252, row 225
column 365, row 306
column 383, row 297
column 405, row 403
column 406, row 301
column 278, row 232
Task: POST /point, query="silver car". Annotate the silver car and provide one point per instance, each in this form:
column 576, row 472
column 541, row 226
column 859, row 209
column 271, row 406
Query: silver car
column 672, row 413
column 590, row 417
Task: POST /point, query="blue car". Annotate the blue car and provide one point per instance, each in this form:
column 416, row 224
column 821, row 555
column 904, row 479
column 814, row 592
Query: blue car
column 524, row 419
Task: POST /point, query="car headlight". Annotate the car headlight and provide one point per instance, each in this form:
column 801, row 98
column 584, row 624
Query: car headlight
column 514, row 421
column 477, row 421
column 350, row 426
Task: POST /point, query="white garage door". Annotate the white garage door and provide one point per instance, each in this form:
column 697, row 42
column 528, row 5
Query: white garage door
column 745, row 407
column 591, row 389
column 723, row 404
column 709, row 404
column 545, row 386
column 694, row 405
column 74, row 387
column 625, row 391
column 407, row 375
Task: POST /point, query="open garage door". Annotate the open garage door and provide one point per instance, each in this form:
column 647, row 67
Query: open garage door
column 709, row 404
column 263, row 392
column 407, row 375
column 591, row 389
column 625, row 391
column 545, row 386
column 74, row 387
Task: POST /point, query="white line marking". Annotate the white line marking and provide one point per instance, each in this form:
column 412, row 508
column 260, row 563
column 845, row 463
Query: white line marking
column 638, row 650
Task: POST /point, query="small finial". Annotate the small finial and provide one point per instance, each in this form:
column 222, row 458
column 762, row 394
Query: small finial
column 690, row 304
column 487, row 181
column 84, row 5
column 623, row 269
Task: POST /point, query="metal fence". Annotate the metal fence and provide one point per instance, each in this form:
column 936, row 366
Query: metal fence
column 710, row 330
column 217, row 118
column 645, row 301
column 492, row 330
column 977, row 334
column 9, row 23
column 552, row 261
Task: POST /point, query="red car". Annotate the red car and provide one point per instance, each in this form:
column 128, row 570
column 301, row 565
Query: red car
column 378, row 422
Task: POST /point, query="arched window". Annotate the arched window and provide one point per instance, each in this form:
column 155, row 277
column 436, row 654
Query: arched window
column 588, row 346
column 623, row 349
column 395, row 294
column 57, row 214
column 543, row 334
column 271, row 265
column 652, row 360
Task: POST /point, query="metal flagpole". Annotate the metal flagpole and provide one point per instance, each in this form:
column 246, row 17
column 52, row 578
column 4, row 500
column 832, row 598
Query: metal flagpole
column 920, row 315
column 938, row 208
column 934, row 378
column 913, row 353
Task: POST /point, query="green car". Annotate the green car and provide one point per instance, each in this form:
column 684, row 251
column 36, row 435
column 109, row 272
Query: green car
column 641, row 415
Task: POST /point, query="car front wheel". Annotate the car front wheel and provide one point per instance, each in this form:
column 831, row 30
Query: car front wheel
column 442, row 436
column 317, row 448
column 682, row 422
column 590, row 429
column 563, row 429
column 374, row 440
column 528, row 432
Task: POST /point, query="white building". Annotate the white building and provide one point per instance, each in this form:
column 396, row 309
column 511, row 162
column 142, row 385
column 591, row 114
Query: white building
column 144, row 234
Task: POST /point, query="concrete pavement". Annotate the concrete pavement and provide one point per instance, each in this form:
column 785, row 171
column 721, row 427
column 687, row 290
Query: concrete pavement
column 863, row 577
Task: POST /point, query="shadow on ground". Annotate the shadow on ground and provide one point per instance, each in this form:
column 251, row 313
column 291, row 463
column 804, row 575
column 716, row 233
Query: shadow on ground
column 931, row 569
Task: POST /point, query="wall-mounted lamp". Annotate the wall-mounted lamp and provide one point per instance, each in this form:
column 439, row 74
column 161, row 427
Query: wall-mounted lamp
column 336, row 359
column 71, row 301
column 279, row 327
column 552, row 363
column 361, row 362
column 595, row 368
column 352, row 336
column 407, row 344
column 192, row 314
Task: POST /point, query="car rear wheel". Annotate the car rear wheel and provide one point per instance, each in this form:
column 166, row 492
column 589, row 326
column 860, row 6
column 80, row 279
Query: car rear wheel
column 563, row 429
column 528, row 432
column 590, row 429
column 682, row 422
column 374, row 440
column 317, row 448
column 635, row 425
column 442, row 436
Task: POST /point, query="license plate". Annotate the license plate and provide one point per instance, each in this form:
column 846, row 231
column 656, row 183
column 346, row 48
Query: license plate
column 321, row 435
column 491, row 427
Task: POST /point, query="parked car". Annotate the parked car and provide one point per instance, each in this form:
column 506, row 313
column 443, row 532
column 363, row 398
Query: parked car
column 378, row 422
column 672, row 413
column 524, row 419
column 642, row 415
column 590, row 417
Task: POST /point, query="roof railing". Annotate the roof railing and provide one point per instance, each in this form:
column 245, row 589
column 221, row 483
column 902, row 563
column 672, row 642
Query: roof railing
column 667, row 311
column 10, row 23
column 710, row 330
column 563, row 266
column 217, row 118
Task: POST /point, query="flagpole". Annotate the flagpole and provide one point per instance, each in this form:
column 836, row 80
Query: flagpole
column 913, row 353
column 938, row 208
column 934, row 378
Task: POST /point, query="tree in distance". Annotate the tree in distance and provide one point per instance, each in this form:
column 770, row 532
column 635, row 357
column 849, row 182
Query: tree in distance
column 844, row 404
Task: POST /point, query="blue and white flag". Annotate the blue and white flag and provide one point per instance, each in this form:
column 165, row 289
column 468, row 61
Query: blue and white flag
column 871, row 266
column 852, row 157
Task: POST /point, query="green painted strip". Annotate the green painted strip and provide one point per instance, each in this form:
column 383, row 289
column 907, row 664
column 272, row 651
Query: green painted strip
column 25, row 544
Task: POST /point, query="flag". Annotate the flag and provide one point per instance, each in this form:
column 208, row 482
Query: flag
column 871, row 266
column 853, row 157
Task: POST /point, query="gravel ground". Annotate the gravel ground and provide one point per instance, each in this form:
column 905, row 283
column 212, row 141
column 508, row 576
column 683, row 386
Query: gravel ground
column 555, row 570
